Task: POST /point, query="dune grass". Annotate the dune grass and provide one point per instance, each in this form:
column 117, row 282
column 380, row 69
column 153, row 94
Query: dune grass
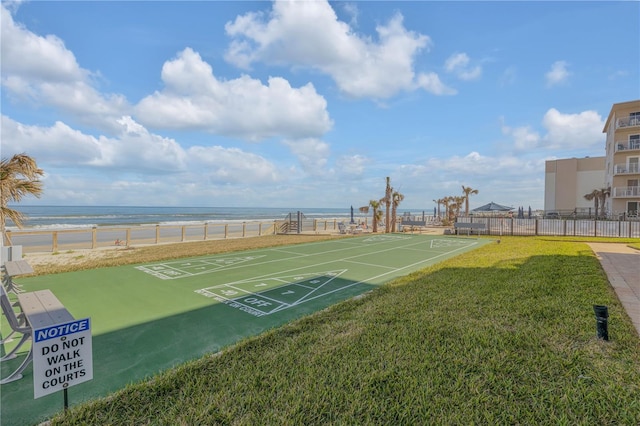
column 501, row 335
column 154, row 253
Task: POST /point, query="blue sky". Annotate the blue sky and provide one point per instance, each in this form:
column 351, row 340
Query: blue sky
column 309, row 103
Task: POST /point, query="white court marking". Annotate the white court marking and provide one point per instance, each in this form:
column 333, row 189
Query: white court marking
column 265, row 296
column 268, row 294
column 184, row 269
column 188, row 268
column 273, row 292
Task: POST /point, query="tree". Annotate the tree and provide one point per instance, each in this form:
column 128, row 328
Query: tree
column 377, row 214
column 455, row 206
column 446, row 201
column 19, row 177
column 599, row 197
column 603, row 193
column 396, row 199
column 387, row 200
column 467, row 191
column 593, row 195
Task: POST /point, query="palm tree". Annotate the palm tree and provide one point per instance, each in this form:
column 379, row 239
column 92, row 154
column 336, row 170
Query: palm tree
column 377, row 214
column 19, row 177
column 466, row 190
column 593, row 195
column 457, row 205
column 387, row 200
column 365, row 211
column 445, row 202
column 396, row 198
column 603, row 193
column 438, row 202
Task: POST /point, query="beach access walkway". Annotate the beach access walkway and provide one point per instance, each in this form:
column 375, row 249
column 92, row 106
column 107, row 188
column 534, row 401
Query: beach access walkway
column 621, row 263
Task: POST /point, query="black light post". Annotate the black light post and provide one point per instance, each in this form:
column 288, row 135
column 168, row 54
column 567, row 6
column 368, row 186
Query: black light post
column 602, row 315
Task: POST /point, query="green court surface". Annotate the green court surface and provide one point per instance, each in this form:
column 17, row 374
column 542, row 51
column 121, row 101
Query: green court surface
column 147, row 318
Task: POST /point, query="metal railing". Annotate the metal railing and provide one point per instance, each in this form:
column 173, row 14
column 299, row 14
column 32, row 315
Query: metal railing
column 558, row 227
column 628, row 121
column 626, row 191
column 626, row 169
column 627, row 145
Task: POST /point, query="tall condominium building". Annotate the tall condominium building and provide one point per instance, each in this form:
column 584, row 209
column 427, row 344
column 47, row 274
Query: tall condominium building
column 622, row 168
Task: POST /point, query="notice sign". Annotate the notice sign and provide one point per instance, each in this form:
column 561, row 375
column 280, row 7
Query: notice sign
column 62, row 356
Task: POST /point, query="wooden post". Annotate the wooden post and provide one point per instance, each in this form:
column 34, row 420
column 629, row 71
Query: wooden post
column 260, row 229
column 128, row 237
column 157, row 234
column 206, row 230
column 184, row 233
column 55, row 241
column 94, row 237
column 244, row 227
column 226, row 230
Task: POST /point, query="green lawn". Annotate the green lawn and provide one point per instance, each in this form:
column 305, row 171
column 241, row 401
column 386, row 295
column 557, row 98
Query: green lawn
column 504, row 334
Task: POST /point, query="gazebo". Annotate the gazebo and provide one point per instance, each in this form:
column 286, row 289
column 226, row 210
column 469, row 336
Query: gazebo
column 492, row 208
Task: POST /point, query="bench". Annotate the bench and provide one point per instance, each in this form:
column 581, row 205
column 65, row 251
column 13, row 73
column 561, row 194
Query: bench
column 469, row 227
column 38, row 309
column 13, row 268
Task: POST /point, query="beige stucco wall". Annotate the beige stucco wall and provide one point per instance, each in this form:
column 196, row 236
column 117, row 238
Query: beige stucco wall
column 568, row 180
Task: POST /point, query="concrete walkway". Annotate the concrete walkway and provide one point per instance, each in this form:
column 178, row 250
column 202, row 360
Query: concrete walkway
column 622, row 266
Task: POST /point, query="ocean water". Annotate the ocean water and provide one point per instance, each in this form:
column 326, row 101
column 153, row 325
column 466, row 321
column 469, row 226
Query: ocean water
column 69, row 217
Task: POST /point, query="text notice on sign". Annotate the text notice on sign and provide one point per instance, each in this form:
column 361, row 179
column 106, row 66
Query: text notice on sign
column 62, row 356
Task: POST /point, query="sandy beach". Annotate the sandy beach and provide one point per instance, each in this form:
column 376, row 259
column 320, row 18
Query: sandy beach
column 74, row 256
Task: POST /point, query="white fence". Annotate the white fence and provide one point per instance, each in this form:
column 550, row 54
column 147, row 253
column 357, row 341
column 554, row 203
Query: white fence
column 101, row 237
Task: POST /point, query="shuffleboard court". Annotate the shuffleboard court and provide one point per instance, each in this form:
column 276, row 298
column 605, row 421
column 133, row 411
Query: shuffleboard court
column 150, row 317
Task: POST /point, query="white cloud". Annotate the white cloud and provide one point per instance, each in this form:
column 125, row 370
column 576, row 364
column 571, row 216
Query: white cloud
column 311, row 153
column 352, row 165
column 35, row 57
column 309, row 34
column 513, row 177
column 232, row 165
column 573, row 131
column 524, row 137
column 558, row 74
column 458, row 64
column 244, row 107
column 43, row 71
column 129, row 163
column 563, row 131
column 58, row 146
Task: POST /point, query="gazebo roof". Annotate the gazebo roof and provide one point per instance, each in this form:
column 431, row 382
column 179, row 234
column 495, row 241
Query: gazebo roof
column 493, row 207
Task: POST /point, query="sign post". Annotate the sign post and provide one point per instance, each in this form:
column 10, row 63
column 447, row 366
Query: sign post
column 62, row 357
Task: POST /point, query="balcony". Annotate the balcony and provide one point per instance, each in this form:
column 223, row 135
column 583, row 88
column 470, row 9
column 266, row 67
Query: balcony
column 632, row 145
column 631, row 121
column 626, row 169
column 626, row 192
